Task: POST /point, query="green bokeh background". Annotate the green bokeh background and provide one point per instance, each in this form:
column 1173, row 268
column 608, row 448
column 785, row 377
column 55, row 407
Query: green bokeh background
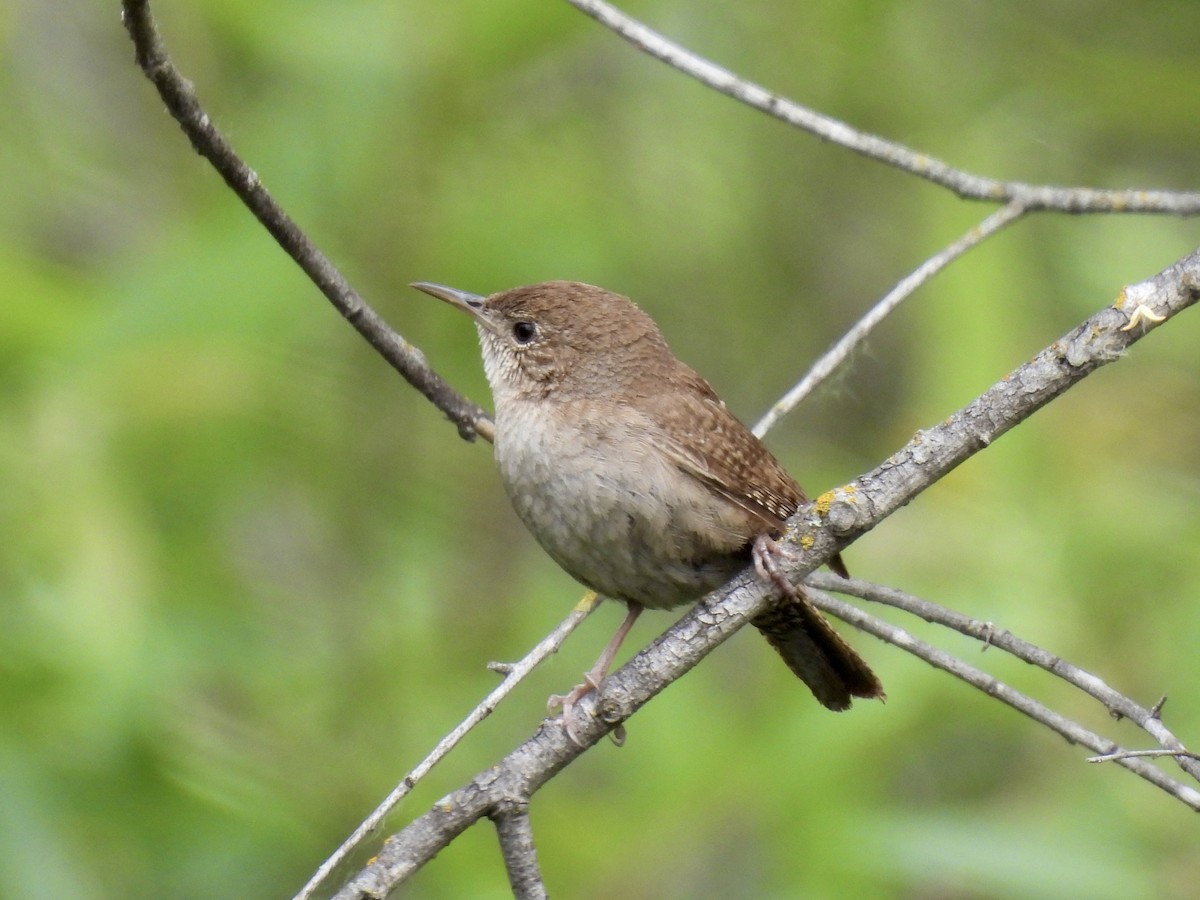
column 248, row 577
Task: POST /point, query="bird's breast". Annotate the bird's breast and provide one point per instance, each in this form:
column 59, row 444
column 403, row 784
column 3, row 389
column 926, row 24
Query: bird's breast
column 611, row 508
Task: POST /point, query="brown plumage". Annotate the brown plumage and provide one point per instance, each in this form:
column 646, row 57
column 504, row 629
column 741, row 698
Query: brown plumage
column 631, row 473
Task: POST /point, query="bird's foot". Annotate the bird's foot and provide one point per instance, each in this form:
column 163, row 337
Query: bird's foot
column 766, row 554
column 567, row 701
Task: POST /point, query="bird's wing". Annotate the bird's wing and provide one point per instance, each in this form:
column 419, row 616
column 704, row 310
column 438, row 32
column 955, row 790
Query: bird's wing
column 706, row 441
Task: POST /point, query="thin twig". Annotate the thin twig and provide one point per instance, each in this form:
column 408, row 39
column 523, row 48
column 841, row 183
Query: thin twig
column 832, row 358
column 177, row 93
column 962, row 183
column 514, row 674
column 1117, row 704
column 993, row 687
column 1144, row 754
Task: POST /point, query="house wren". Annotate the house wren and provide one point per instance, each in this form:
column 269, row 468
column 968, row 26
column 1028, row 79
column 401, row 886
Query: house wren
column 634, row 477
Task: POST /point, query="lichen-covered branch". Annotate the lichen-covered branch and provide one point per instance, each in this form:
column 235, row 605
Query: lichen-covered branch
column 836, row 519
column 819, row 530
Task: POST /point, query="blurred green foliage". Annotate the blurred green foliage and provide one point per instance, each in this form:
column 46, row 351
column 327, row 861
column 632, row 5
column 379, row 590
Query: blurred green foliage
column 248, row 577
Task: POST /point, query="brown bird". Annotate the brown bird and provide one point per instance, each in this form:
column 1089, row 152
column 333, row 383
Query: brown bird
column 631, row 473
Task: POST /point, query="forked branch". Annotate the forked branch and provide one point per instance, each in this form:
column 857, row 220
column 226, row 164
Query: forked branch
column 819, row 530
column 836, row 519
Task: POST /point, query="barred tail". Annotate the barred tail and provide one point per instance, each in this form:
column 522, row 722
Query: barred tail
column 816, row 653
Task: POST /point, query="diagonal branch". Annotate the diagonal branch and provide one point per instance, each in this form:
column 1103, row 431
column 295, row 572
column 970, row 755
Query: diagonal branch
column 818, row 531
column 177, row 93
column 832, row 358
column 1117, row 704
column 835, row 520
column 993, row 687
column 929, row 455
column 965, row 184
column 514, row 674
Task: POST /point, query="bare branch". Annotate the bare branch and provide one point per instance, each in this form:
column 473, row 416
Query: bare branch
column 514, row 674
column 520, row 855
column 834, row 520
column 1144, row 754
column 993, row 687
column 819, row 530
column 964, row 184
column 852, row 510
column 181, row 101
column 862, row 329
column 518, row 776
column 1116, row 703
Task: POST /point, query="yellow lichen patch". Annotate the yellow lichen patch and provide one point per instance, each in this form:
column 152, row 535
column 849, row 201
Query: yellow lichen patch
column 587, row 602
column 806, row 541
column 825, row 502
column 1119, row 303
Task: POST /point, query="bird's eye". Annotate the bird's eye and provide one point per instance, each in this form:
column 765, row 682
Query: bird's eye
column 523, row 332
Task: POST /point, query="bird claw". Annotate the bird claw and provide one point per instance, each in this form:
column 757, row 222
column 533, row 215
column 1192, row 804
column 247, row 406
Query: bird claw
column 567, row 703
column 592, row 678
column 766, row 554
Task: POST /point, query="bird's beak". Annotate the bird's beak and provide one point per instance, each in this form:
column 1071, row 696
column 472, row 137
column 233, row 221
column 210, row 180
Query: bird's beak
column 472, row 304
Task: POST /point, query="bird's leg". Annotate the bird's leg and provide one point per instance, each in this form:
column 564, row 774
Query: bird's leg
column 766, row 554
column 593, row 676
